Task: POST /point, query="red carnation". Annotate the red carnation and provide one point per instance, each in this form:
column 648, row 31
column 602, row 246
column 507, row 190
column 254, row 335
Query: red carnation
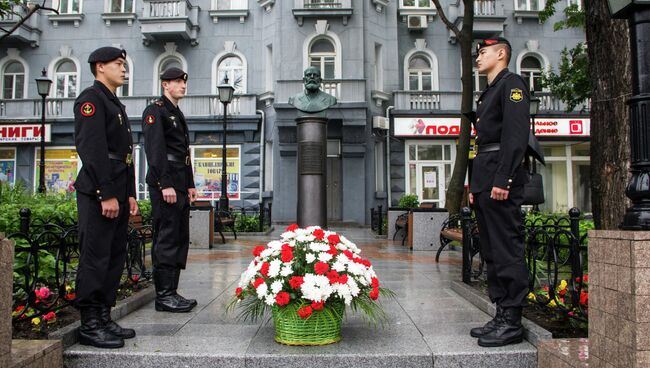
column 333, row 276
column 374, row 294
column 321, row 268
column 265, row 269
column 286, row 247
column 333, row 251
column 348, row 254
column 374, row 282
column 296, row 281
column 366, row 262
column 293, row 227
column 343, row 279
column 584, row 298
column 287, row 256
column 318, row 305
column 258, row 282
column 319, row 234
column 305, row 312
column 238, row 292
column 282, row 298
column 258, row 250
column 333, row 239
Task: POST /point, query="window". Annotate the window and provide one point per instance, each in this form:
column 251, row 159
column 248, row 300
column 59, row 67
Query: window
column 578, row 3
column 379, row 68
column 121, row 6
column 566, row 176
column 480, row 81
column 61, row 167
column 66, row 79
column 68, row 6
column 207, row 171
column 13, row 80
column 530, row 5
column 415, row 4
column 232, row 67
column 531, row 70
column 380, row 168
column 125, row 89
column 420, row 74
column 229, row 4
column 429, row 170
column 322, row 55
column 8, row 165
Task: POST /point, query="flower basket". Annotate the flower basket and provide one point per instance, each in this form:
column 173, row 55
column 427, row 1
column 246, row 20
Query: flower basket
column 321, row 328
column 307, row 279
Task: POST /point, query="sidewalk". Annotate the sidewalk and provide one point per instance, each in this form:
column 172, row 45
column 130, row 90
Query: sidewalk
column 429, row 323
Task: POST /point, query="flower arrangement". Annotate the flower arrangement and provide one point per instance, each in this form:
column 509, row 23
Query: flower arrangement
column 310, row 273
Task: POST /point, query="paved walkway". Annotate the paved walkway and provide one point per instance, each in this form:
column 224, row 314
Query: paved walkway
column 428, row 327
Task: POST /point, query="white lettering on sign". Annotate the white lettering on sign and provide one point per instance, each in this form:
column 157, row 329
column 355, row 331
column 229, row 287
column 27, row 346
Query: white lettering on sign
column 445, row 126
column 23, row 133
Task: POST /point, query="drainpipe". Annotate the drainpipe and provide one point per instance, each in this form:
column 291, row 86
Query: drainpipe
column 388, row 110
column 262, row 151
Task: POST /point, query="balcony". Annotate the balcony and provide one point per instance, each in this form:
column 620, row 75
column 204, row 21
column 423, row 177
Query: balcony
column 62, row 108
column 165, row 20
column 417, row 7
column 450, row 101
column 528, row 9
column 28, row 33
column 345, row 90
column 231, row 9
column 322, row 9
column 489, row 18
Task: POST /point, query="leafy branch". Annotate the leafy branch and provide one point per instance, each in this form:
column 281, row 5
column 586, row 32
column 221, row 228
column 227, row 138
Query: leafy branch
column 22, row 10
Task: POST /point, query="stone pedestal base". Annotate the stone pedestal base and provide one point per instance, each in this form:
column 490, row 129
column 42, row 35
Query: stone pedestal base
column 619, row 299
column 6, row 294
column 37, row 353
column 312, row 171
column 563, row 353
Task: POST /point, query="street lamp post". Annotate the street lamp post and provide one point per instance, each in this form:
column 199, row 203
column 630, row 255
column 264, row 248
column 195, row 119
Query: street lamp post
column 637, row 12
column 534, row 108
column 225, row 96
column 43, row 87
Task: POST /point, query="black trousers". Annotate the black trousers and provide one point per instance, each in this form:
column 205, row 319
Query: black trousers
column 171, row 230
column 501, row 233
column 102, row 252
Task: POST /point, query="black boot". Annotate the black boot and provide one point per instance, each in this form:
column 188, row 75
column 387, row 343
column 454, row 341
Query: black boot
column 508, row 330
column 92, row 332
column 113, row 327
column 488, row 327
column 166, row 299
column 177, row 276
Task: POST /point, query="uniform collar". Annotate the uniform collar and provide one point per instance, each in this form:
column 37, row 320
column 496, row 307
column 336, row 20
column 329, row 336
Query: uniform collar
column 498, row 77
column 168, row 104
column 105, row 90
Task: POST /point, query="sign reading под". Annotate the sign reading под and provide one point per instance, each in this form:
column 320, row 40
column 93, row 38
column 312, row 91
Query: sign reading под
column 444, row 127
column 23, row 133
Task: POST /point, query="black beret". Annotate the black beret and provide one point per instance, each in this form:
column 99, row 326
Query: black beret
column 106, row 54
column 173, row 74
column 492, row 42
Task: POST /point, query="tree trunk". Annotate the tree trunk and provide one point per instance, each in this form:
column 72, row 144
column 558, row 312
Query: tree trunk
column 455, row 191
column 611, row 80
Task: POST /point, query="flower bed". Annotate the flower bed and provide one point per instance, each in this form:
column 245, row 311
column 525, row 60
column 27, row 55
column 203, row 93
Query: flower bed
column 306, row 279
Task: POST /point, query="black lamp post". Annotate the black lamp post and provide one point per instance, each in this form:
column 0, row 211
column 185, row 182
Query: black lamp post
column 43, row 87
column 637, row 12
column 225, row 96
column 534, row 109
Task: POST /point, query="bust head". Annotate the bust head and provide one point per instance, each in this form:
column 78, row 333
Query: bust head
column 312, row 79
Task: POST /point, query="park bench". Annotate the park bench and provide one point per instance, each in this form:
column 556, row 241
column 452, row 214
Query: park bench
column 402, row 223
column 225, row 219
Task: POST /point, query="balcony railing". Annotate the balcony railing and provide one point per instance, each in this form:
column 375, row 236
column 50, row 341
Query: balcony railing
column 450, row 101
column 485, row 8
column 322, row 8
column 169, row 18
column 29, row 32
column 345, row 90
column 62, row 108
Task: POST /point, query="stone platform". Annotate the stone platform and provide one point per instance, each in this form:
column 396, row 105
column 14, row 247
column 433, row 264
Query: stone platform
column 428, row 327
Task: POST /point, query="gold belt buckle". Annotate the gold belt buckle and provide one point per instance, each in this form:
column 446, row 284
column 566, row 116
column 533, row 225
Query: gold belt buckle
column 187, row 160
column 129, row 159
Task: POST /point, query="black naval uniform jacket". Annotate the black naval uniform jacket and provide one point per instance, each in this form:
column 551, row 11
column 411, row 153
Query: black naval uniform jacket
column 104, row 143
column 165, row 136
column 503, row 117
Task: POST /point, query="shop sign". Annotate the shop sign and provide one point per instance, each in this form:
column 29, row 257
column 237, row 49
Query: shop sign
column 24, row 133
column 446, row 127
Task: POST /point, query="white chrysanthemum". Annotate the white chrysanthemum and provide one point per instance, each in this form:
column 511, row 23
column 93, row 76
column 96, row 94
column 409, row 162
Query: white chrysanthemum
column 275, row 244
column 339, row 266
column 324, row 257
column 319, row 247
column 310, row 258
column 266, row 253
column 262, row 290
column 316, row 287
column 311, row 229
column 342, row 258
column 288, row 235
column 286, row 270
column 276, row 287
column 270, row 299
column 274, row 268
column 343, row 292
column 305, row 238
column 352, row 285
column 356, row 268
column 363, row 281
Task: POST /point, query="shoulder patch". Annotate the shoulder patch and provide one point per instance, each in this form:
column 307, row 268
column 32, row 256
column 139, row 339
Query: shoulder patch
column 150, row 119
column 87, row 109
column 516, row 95
column 159, row 102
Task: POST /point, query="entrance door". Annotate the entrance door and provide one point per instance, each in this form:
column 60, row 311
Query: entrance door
column 431, row 184
column 334, row 183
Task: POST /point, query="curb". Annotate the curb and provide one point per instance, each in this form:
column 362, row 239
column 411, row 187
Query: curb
column 68, row 334
column 532, row 332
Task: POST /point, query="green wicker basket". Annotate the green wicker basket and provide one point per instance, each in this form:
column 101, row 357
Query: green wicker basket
column 321, row 328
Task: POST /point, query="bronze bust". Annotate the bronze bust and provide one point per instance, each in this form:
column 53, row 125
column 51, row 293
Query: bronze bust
column 312, row 99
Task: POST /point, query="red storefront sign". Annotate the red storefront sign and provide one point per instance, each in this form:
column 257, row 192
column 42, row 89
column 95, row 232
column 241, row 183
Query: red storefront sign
column 24, row 133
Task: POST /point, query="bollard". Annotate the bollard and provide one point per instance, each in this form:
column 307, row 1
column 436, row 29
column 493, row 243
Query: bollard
column 25, row 214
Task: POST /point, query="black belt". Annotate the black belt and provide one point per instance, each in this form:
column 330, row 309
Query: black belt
column 178, row 158
column 126, row 158
column 488, row 147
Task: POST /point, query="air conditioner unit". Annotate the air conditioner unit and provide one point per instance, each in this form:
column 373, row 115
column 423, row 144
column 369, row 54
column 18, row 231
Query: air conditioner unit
column 417, row 22
column 380, row 122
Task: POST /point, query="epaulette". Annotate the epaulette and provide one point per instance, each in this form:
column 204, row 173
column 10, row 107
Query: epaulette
column 158, row 102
